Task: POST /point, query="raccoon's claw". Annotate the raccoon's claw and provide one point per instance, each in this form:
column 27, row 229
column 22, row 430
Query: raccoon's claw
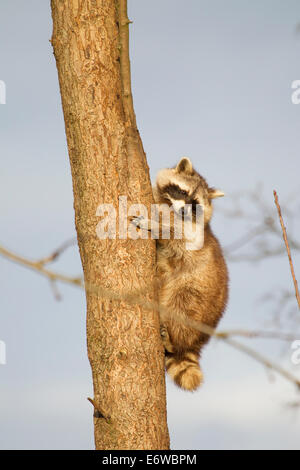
column 140, row 222
column 137, row 221
column 166, row 339
column 163, row 332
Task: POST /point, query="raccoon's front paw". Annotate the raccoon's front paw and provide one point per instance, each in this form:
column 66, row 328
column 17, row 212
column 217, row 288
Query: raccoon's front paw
column 166, row 339
column 140, row 222
column 136, row 220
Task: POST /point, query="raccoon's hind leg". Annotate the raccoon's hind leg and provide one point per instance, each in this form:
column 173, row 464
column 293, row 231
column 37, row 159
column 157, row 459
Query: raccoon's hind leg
column 184, row 369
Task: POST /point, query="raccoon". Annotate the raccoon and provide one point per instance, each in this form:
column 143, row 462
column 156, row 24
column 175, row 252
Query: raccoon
column 191, row 283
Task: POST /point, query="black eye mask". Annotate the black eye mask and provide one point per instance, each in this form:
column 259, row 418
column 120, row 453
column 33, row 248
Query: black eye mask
column 194, row 205
column 175, row 192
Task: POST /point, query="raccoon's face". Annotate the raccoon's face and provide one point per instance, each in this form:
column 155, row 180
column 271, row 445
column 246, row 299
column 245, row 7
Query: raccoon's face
column 182, row 185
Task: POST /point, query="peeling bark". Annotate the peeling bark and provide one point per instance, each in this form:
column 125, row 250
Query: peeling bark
column 90, row 41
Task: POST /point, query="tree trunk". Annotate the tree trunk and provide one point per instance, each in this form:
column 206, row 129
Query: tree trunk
column 90, row 41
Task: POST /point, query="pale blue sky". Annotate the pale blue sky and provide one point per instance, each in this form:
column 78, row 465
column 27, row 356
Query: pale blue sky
column 211, row 80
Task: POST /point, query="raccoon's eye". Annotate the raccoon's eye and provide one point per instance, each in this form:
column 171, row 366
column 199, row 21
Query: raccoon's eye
column 175, row 191
column 183, row 192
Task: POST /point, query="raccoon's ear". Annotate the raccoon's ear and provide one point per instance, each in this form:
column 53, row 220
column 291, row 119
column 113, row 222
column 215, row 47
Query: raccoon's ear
column 185, row 166
column 213, row 193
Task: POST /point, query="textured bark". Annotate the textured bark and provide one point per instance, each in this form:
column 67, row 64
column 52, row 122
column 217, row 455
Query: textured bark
column 107, row 160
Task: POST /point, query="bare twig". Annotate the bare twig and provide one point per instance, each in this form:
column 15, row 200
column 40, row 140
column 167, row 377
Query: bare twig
column 57, row 252
column 278, row 335
column 39, row 268
column 56, row 293
column 287, row 247
column 294, row 405
column 124, row 23
column 262, row 254
column 98, row 412
column 263, row 360
column 265, row 230
column 139, row 298
column 242, row 348
column 245, row 239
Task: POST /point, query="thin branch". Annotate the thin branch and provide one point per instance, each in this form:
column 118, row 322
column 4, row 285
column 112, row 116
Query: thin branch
column 295, row 405
column 39, row 268
column 245, row 239
column 56, row 293
column 263, row 360
column 135, row 147
column 287, row 247
column 254, row 258
column 139, row 298
column 124, row 23
column 265, row 228
column 57, row 252
column 289, row 337
column 98, row 412
column 242, row 348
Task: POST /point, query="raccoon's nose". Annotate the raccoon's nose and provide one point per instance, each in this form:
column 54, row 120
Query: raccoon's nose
column 178, row 205
column 186, row 210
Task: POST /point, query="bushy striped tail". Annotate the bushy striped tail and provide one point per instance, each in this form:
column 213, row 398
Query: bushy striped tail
column 185, row 370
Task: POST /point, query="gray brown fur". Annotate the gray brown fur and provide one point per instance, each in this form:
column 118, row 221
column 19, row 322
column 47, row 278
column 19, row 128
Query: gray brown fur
column 193, row 284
